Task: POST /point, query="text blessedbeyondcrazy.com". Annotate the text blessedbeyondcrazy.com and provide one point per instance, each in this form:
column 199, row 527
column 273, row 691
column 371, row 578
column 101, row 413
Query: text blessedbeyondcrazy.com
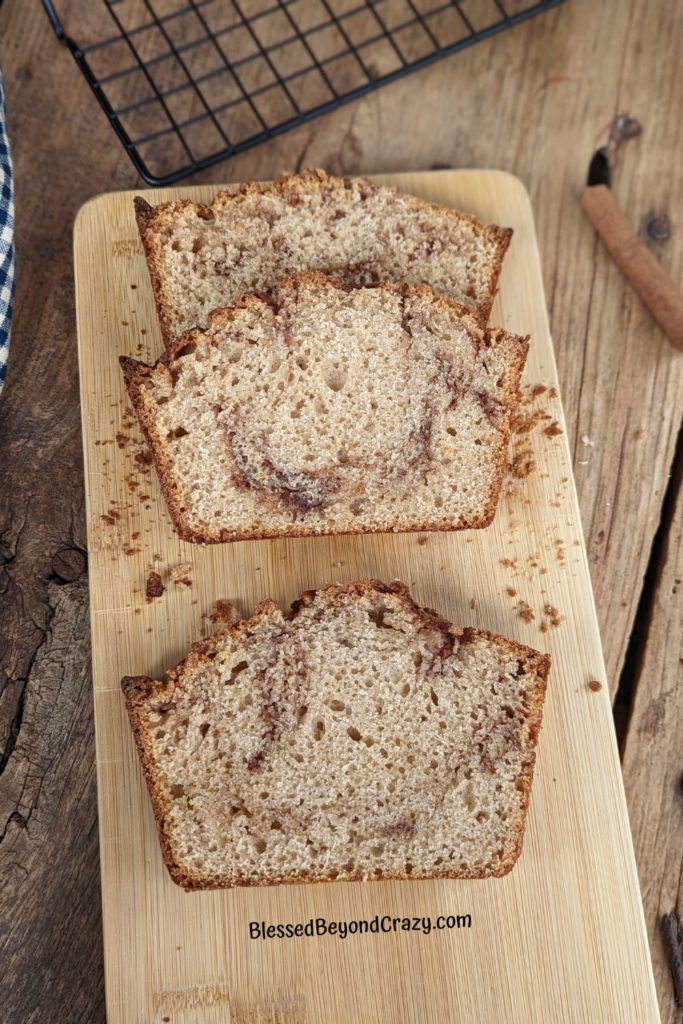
column 386, row 924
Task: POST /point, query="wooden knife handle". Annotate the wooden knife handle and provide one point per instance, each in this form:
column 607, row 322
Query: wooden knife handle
column 639, row 266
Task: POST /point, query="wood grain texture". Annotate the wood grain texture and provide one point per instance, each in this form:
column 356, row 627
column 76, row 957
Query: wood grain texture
column 653, row 753
column 577, row 866
column 535, row 101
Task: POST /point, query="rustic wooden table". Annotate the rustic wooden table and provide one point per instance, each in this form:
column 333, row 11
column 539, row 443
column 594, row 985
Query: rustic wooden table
column 535, row 101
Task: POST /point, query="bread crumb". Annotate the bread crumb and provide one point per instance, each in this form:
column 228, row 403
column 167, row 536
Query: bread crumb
column 509, row 563
column 595, row 686
column 538, row 389
column 525, row 611
column 473, row 603
column 224, row 612
column 180, row 574
column 525, row 424
column 554, row 430
column 523, row 464
column 511, row 592
column 154, row 586
column 587, row 441
column 554, row 615
column 422, row 540
column 544, row 627
column 144, row 458
column 552, row 393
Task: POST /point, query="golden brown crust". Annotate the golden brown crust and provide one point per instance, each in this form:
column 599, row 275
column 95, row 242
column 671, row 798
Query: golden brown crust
column 145, row 216
column 138, row 690
column 150, row 218
column 134, row 373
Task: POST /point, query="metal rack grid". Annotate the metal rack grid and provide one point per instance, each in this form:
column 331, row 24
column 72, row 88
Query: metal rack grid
column 187, row 83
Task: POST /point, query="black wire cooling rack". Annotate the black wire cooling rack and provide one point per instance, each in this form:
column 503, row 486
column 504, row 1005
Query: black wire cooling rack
column 186, row 83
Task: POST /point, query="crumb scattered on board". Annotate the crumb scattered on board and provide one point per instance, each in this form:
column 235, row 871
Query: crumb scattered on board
column 224, row 613
column 528, row 417
column 552, row 617
column 523, row 464
column 525, row 611
column 595, row 686
column 154, row 586
column 181, row 574
column 553, row 430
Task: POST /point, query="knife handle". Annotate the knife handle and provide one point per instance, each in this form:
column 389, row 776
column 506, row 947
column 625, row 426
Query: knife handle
column 640, row 267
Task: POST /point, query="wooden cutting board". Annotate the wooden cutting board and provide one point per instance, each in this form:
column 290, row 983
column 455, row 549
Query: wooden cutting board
column 561, row 938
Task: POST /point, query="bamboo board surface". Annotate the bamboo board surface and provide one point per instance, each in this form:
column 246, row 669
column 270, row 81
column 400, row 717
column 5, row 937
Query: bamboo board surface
column 559, row 938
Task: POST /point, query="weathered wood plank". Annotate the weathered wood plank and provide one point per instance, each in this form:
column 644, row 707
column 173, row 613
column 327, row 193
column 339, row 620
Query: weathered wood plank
column 653, row 755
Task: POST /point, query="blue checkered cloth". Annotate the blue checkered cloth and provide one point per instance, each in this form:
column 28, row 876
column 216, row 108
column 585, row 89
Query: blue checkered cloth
column 6, row 239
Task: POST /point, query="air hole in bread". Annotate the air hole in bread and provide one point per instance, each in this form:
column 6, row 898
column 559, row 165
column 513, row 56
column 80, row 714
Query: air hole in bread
column 185, row 350
column 318, row 729
column 336, row 379
column 354, row 734
column 236, row 671
column 376, row 615
column 177, row 432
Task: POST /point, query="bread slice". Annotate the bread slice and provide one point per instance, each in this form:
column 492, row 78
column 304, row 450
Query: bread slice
column 331, row 411
column 203, row 257
column 361, row 737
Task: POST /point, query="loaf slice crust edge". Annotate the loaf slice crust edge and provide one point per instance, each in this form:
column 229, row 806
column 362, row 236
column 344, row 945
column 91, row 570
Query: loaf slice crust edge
column 156, row 225
column 409, row 318
column 140, row 693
